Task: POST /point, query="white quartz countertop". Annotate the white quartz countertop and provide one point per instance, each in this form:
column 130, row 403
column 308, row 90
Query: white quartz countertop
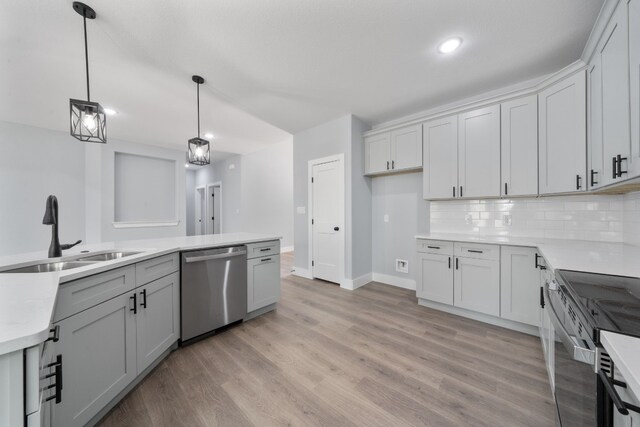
column 27, row 300
column 625, row 353
column 581, row 255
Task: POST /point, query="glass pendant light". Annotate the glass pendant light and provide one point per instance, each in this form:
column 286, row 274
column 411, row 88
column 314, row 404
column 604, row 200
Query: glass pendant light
column 198, row 152
column 88, row 120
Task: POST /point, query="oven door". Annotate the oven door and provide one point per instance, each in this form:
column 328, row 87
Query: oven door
column 575, row 377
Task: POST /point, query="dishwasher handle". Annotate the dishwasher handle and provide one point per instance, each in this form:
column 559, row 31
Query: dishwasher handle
column 216, row 256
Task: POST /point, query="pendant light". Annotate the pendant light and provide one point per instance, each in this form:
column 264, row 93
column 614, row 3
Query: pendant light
column 88, row 120
column 198, row 152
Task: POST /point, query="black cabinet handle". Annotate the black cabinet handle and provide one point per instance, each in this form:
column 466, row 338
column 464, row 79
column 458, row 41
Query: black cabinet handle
column 461, row 191
column 393, row 164
column 541, row 297
column 619, row 158
column 614, row 167
column 433, row 247
column 135, row 304
column 541, row 267
column 387, row 164
column 578, row 182
column 56, row 334
column 336, row 228
column 593, row 180
column 621, row 406
column 454, row 191
column 265, row 259
column 265, row 250
column 506, row 192
column 449, row 263
column 475, row 251
column 57, row 365
column 143, row 304
column 456, row 263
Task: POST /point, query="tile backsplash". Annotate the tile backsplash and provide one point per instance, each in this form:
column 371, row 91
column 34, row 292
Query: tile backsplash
column 585, row 217
column 631, row 226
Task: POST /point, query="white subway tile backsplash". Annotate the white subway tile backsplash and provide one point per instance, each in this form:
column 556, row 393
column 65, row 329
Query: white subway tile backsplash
column 631, row 215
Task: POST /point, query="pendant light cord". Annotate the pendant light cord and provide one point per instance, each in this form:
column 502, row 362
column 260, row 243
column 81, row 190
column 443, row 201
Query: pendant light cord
column 86, row 56
column 198, row 97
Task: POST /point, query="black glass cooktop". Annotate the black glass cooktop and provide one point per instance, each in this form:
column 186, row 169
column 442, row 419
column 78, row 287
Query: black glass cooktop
column 610, row 303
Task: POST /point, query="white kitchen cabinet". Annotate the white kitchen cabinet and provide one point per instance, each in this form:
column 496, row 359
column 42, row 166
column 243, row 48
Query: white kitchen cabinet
column 440, row 153
column 634, row 88
column 263, row 282
column 157, row 319
column 610, row 140
column 396, row 151
column 377, row 151
column 435, row 277
column 519, row 146
column 562, row 136
column 479, row 153
column 98, row 348
column 519, row 285
column 476, row 285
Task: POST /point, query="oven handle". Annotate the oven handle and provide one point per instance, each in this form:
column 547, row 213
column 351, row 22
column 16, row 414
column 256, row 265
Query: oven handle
column 613, row 394
column 579, row 354
column 216, row 256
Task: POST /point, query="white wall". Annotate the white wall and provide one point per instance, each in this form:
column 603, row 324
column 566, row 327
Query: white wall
column 35, row 163
column 190, row 181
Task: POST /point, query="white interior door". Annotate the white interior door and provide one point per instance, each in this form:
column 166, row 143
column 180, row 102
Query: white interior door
column 216, row 201
column 327, row 224
column 201, row 207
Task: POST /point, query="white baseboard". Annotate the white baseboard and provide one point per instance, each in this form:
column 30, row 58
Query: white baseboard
column 301, row 272
column 286, row 249
column 399, row 282
column 509, row 324
column 353, row 284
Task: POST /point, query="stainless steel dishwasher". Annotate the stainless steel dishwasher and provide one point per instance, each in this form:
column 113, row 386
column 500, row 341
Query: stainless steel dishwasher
column 213, row 290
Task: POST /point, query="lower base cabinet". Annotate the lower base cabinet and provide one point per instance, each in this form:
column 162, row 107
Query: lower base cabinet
column 105, row 347
column 519, row 285
column 263, row 282
column 435, row 278
column 476, row 285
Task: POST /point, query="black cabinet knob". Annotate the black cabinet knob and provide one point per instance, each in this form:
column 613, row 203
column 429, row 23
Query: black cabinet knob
column 336, row 228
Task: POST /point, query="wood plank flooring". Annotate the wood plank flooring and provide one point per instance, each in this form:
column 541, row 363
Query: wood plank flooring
column 331, row 357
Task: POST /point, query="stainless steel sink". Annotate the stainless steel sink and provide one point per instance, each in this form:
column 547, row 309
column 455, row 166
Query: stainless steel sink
column 49, row 267
column 105, row 256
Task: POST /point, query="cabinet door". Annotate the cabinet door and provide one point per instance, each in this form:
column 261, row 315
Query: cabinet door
column 406, row 148
column 479, row 152
column 634, row 88
column 263, row 282
column 595, row 153
column 435, row 278
column 562, row 136
column 476, row 285
column 98, row 348
column 519, row 285
column 377, row 151
column 613, row 52
column 440, row 153
column 519, row 142
column 158, row 319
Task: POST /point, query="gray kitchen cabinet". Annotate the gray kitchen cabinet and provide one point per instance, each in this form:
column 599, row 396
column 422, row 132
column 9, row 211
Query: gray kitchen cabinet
column 98, row 348
column 562, row 136
column 263, row 282
column 377, row 151
column 634, row 67
column 435, row 277
column 157, row 319
column 476, row 285
column 395, row 151
column 440, row 158
column 519, row 285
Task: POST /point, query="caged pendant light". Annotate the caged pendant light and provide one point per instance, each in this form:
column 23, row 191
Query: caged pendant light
column 88, row 120
column 198, row 152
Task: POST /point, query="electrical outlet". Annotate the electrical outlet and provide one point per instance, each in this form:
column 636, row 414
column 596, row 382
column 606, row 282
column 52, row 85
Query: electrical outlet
column 232, row 166
column 506, row 219
column 468, row 218
column 385, row 218
column 402, row 265
column 301, row 210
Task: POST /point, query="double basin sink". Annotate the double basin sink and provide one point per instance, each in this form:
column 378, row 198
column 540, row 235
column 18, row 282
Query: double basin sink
column 70, row 262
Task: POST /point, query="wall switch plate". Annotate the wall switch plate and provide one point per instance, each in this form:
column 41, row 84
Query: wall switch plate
column 232, row 166
column 468, row 219
column 301, row 210
column 402, row 265
column 506, row 219
column 385, row 218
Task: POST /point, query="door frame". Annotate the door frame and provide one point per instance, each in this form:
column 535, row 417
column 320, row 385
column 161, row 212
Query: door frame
column 195, row 219
column 210, row 186
column 340, row 159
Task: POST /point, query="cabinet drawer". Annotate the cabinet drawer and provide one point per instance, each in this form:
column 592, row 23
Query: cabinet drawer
column 435, row 247
column 255, row 250
column 477, row 250
column 73, row 297
column 152, row 269
column 263, row 282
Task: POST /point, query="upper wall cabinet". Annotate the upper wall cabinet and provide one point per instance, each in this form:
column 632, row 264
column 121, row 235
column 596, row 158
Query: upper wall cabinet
column 479, row 153
column 608, row 113
column 519, row 124
column 634, row 66
column 440, row 176
column 396, row 151
column 562, row 136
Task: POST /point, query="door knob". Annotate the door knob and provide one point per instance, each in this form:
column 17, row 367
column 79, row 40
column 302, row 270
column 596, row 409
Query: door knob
column 336, row 228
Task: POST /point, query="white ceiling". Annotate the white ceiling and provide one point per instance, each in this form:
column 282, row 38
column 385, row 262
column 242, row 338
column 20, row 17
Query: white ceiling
column 272, row 65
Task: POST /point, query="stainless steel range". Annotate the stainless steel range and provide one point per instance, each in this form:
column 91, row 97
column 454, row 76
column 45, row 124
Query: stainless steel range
column 580, row 306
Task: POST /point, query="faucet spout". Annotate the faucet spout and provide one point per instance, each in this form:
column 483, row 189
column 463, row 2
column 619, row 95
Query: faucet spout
column 51, row 218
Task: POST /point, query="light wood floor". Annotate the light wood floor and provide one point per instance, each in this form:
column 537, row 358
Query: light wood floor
column 331, row 357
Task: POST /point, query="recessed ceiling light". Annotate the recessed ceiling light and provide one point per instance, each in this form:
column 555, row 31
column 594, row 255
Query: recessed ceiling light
column 208, row 135
column 110, row 112
column 450, row 45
